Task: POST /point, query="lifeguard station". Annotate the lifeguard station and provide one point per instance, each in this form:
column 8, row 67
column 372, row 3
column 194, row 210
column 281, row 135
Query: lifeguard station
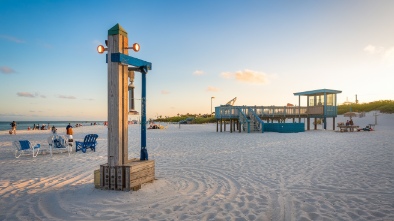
column 320, row 104
column 120, row 172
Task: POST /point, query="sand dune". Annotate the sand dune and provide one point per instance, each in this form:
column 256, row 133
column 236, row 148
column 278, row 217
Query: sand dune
column 205, row 175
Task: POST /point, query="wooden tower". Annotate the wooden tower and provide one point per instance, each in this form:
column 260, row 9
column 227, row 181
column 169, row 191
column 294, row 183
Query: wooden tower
column 120, row 172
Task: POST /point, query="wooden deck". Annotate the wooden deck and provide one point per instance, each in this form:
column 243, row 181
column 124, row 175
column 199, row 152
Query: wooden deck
column 227, row 112
column 253, row 117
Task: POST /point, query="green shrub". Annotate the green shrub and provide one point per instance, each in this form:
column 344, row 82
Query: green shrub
column 384, row 106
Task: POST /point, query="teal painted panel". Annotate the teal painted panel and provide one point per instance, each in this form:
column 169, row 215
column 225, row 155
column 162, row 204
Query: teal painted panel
column 318, row 92
column 284, row 127
column 125, row 59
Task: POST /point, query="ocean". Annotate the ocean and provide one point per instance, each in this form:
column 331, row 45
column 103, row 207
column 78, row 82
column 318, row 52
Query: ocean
column 23, row 125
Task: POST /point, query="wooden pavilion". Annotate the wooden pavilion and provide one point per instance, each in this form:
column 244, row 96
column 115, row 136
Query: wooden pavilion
column 321, row 104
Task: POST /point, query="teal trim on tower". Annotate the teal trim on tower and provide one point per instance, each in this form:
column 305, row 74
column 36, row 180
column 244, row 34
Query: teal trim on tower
column 117, row 30
column 318, row 92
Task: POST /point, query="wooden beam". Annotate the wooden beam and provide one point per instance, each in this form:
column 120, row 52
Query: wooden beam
column 128, row 60
column 117, row 103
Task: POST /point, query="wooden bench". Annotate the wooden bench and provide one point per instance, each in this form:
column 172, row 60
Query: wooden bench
column 344, row 128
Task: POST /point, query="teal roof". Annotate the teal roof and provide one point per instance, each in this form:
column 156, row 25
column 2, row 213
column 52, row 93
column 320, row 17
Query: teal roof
column 318, row 92
column 117, row 30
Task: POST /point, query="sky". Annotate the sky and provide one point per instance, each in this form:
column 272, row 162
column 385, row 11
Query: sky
column 258, row 51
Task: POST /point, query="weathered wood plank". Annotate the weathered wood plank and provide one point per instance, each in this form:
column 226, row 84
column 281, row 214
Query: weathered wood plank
column 97, row 181
column 127, row 177
column 112, row 181
column 117, row 103
column 142, row 180
column 119, row 178
column 106, row 177
column 142, row 173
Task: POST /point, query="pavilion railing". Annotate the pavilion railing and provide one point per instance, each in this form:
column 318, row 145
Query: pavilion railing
column 274, row 111
column 243, row 119
column 255, row 120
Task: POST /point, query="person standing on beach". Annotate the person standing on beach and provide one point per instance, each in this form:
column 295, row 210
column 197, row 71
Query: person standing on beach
column 69, row 129
column 13, row 126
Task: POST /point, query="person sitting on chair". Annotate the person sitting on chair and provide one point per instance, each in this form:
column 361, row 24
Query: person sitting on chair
column 54, row 129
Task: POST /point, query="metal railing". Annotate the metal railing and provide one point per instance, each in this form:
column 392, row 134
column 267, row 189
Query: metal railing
column 243, row 119
column 256, row 121
column 274, row 111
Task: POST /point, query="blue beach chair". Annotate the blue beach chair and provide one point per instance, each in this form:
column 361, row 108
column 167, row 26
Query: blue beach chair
column 88, row 142
column 24, row 146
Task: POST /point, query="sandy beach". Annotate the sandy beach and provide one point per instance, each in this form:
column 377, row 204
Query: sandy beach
column 205, row 175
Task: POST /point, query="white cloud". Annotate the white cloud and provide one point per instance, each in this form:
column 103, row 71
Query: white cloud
column 25, row 94
column 6, row 70
column 387, row 55
column 248, row 76
column 213, row 89
column 97, row 43
column 227, row 75
column 66, row 97
column 198, row 72
column 11, row 38
column 370, row 49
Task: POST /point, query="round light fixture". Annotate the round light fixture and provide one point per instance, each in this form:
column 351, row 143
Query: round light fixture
column 101, row 49
column 136, row 47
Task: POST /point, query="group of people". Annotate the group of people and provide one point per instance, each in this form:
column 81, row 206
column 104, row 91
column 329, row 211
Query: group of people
column 349, row 122
column 69, row 129
column 37, row 127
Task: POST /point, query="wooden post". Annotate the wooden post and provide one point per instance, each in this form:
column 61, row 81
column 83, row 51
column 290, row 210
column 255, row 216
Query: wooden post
column 308, row 124
column 333, row 123
column 117, row 99
column 217, row 125
column 237, row 123
column 231, row 125
column 120, row 173
column 221, row 125
column 315, row 123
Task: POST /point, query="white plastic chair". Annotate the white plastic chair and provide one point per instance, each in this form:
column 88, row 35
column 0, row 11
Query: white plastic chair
column 58, row 142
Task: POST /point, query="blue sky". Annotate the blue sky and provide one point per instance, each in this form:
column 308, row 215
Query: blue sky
column 258, row 51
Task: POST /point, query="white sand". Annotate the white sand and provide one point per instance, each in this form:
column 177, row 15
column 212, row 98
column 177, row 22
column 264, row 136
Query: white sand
column 205, row 175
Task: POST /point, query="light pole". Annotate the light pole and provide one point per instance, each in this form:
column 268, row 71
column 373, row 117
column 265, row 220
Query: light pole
column 211, row 104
